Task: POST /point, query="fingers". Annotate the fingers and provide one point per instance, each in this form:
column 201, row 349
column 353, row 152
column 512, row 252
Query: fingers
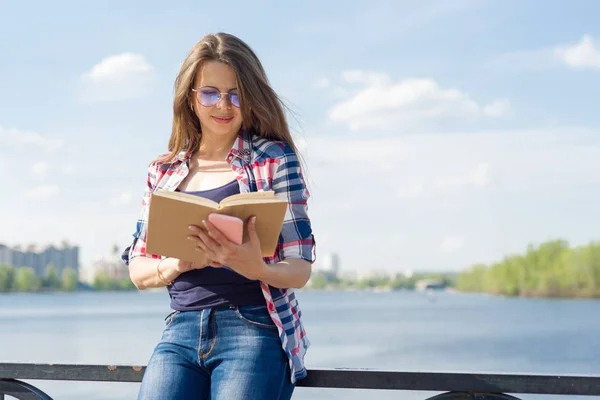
column 209, row 264
column 204, row 242
column 219, row 250
column 216, row 235
column 202, row 237
column 252, row 229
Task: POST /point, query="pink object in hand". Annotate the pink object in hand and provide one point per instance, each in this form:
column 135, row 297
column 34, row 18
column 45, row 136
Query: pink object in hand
column 231, row 227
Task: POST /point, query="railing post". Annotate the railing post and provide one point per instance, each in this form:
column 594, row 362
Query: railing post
column 452, row 386
column 21, row 390
column 473, row 396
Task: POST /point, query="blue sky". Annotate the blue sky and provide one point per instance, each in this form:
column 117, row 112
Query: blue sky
column 437, row 134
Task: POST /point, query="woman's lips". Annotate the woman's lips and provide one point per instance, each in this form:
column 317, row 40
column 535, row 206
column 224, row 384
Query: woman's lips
column 222, row 120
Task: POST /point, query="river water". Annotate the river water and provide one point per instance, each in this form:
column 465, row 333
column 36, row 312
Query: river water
column 405, row 331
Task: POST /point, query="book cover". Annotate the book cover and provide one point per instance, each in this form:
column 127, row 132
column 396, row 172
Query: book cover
column 171, row 213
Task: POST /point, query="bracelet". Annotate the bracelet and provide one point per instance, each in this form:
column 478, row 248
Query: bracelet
column 160, row 276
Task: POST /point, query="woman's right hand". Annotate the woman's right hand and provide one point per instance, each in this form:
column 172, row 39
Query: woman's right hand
column 180, row 266
column 170, row 268
column 143, row 271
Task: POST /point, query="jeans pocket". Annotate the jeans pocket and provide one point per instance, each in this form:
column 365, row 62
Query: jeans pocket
column 256, row 316
column 170, row 318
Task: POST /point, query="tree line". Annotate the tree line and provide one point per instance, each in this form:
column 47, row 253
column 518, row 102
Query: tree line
column 550, row 269
column 320, row 281
column 24, row 279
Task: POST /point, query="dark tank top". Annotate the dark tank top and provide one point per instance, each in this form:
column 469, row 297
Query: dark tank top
column 212, row 287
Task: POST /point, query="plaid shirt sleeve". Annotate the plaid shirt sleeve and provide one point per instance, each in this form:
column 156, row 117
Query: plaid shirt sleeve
column 137, row 247
column 296, row 239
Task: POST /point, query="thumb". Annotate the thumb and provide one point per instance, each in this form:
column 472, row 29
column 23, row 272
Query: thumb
column 252, row 230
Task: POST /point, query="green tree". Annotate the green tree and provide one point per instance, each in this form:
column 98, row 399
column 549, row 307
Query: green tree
column 7, row 277
column 102, row 282
column 552, row 269
column 126, row 284
column 50, row 280
column 318, row 281
column 400, row 282
column 69, row 279
column 26, row 280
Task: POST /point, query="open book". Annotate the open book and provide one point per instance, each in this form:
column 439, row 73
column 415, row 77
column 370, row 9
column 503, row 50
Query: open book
column 172, row 212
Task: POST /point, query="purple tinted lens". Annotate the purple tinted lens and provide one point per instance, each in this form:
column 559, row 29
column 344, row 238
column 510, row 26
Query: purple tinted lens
column 235, row 99
column 209, row 97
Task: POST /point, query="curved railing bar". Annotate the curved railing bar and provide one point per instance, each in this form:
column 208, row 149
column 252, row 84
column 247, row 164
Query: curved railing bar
column 472, row 396
column 21, row 390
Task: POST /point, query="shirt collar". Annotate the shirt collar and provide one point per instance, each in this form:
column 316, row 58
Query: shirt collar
column 241, row 149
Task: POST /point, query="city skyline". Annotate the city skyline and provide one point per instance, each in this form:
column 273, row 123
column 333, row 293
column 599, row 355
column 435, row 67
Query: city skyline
column 39, row 257
column 439, row 135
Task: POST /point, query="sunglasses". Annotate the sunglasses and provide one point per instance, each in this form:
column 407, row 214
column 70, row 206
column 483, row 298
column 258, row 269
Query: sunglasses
column 208, row 97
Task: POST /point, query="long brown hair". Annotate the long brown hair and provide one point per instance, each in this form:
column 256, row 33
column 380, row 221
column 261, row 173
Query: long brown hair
column 262, row 109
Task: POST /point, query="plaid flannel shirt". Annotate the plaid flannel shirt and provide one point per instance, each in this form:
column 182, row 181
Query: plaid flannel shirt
column 259, row 164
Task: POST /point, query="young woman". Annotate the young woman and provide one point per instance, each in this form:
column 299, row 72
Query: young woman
column 235, row 330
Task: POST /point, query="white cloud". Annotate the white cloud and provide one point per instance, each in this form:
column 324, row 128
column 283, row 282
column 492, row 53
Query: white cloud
column 497, row 108
column 400, row 193
column 20, row 139
column 118, row 77
column 119, row 67
column 39, row 168
column 481, row 175
column 452, row 243
column 581, row 55
column 441, row 183
column 42, row 192
column 68, row 169
column 383, row 104
column 365, row 77
column 120, row 200
column 322, row 83
column 497, row 190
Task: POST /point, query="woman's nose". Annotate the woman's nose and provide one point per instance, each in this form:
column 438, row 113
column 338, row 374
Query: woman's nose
column 224, row 101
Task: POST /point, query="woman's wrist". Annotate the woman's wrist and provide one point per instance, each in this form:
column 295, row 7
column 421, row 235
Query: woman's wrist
column 262, row 271
column 167, row 270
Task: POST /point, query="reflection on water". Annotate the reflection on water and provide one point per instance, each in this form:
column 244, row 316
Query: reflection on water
column 394, row 331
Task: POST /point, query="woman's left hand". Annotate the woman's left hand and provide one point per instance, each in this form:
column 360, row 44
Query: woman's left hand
column 246, row 259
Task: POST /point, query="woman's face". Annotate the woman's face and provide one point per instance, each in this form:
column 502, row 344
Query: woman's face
column 219, row 113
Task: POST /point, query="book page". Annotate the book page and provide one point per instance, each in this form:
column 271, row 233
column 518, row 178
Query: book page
column 246, row 201
column 247, row 198
column 188, row 198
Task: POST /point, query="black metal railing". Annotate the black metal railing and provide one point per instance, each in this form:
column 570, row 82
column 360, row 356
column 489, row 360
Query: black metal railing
column 454, row 386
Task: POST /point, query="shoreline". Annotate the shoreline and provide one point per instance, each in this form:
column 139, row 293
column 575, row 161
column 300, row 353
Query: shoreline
column 371, row 290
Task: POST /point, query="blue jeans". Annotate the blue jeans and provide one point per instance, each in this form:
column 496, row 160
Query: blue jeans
column 227, row 353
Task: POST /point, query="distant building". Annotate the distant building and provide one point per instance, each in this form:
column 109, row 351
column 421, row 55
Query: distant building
column 373, row 273
column 39, row 258
column 5, row 255
column 331, row 262
column 329, row 267
column 429, row 284
column 110, row 265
